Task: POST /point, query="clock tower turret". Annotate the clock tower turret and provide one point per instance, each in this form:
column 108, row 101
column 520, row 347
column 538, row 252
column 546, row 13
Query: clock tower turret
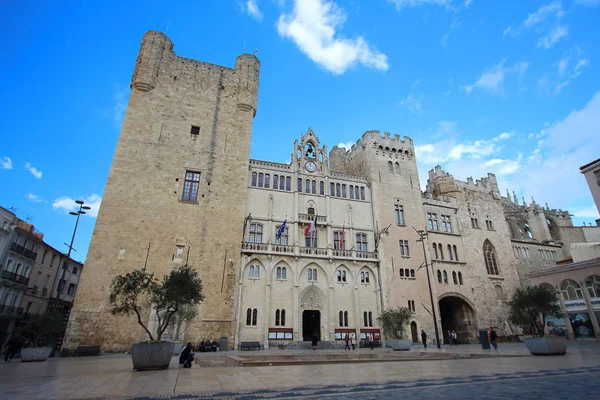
column 308, row 156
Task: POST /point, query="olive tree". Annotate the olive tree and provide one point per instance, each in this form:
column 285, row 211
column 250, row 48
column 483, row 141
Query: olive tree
column 394, row 322
column 531, row 303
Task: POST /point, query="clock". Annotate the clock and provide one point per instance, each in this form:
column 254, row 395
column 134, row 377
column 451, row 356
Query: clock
column 310, row 166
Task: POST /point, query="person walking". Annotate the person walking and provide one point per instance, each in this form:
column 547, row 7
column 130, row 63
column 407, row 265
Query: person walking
column 493, row 338
column 315, row 340
column 371, row 340
column 454, row 337
column 347, row 340
column 353, row 341
column 12, row 347
column 424, row 338
column 450, row 338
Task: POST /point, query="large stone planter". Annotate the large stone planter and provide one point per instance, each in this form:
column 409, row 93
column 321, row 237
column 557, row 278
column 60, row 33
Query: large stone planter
column 399, row 344
column 547, row 346
column 151, row 355
column 29, row 354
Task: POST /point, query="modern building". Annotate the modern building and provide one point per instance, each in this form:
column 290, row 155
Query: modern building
column 320, row 245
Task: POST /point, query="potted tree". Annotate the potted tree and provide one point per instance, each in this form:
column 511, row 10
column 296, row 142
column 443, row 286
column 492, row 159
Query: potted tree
column 40, row 333
column 394, row 322
column 179, row 324
column 178, row 289
column 531, row 305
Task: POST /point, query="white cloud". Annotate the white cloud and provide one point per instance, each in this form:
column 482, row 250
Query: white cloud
column 468, row 3
column 491, row 80
column 400, row 4
column 503, row 136
column 347, row 145
column 585, row 212
column 411, row 104
column 5, row 163
column 34, row 171
column 67, row 204
column 252, row 9
column 562, row 66
column 33, row 198
column 312, row 26
column 545, row 11
column 555, row 83
column 559, row 32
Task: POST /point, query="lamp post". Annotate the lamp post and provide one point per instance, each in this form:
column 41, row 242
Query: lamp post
column 422, row 234
column 78, row 214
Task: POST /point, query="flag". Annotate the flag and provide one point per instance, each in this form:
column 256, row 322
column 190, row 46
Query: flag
column 342, row 238
column 311, row 228
column 281, row 229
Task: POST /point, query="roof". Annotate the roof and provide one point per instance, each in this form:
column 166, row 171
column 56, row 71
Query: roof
column 589, row 164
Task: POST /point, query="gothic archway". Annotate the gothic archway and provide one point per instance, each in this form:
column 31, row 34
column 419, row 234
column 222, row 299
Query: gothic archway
column 457, row 315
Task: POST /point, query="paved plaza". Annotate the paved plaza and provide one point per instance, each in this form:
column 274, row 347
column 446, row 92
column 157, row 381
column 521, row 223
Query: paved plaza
column 112, row 377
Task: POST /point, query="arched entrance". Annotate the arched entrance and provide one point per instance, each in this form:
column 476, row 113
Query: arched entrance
column 414, row 333
column 311, row 306
column 457, row 315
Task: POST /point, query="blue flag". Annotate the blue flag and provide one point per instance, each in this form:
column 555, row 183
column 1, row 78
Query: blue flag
column 281, row 229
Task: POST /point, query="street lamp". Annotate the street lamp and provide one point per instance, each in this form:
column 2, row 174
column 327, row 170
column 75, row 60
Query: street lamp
column 78, row 213
column 422, row 234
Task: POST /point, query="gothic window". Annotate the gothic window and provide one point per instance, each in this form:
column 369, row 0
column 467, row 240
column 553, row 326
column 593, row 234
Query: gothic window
column 190, row 186
column 260, row 179
column 276, row 182
column 412, row 273
column 361, row 242
column 475, row 223
column 364, row 276
column 404, row 250
column 351, row 192
column 282, row 317
column 251, row 316
column 307, row 187
column 314, row 187
column 391, row 167
column 460, row 280
column 311, row 211
column 283, row 239
column 281, row 273
column 254, row 175
column 267, row 182
column 435, row 253
column 454, row 278
column 254, row 271
column 446, row 223
column 256, row 233
column 356, row 192
column 332, row 189
column 44, row 256
column 341, row 275
column 288, row 184
column 254, row 316
column 571, row 290
column 299, row 185
column 277, row 318
column 338, row 192
column 362, row 192
column 432, row 222
column 337, row 240
column 450, row 253
column 399, row 211
column 322, row 188
column 341, row 318
column 401, row 271
column 370, row 319
column 344, row 190
column 455, row 253
column 592, row 284
column 312, row 274
column 346, row 319
column 445, row 277
column 489, row 225
column 365, row 319
column 489, row 255
column 397, row 168
column 311, row 240
column 440, row 251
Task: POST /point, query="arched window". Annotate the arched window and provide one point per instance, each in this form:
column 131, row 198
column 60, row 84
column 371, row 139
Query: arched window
column 254, row 316
column 364, row 277
column 365, row 318
column 299, row 185
column 391, row 167
column 450, row 253
column 460, row 281
column 412, row 273
column 276, row 182
column 435, row 254
column 277, row 318
column 401, row 271
column 571, row 290
column 445, row 277
column 352, row 192
column 344, row 190
column 267, row 180
column 260, row 179
column 440, row 251
column 362, row 192
column 44, row 256
column 310, row 211
column 251, row 272
column 307, row 188
column 310, row 274
column 439, row 275
column 314, row 187
column 332, row 189
column 322, row 188
column 278, row 272
column 356, row 192
column 254, row 174
column 282, row 317
column 455, row 253
column 592, row 284
column 489, row 255
column 499, row 292
column 397, row 168
column 338, row 192
column 454, row 278
column 346, row 319
column 284, row 273
column 339, row 275
column 249, row 317
column 343, row 276
column 341, row 318
column 370, row 319
column 288, row 184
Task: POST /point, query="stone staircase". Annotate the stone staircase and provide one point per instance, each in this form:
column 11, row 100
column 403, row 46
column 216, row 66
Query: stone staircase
column 307, row 346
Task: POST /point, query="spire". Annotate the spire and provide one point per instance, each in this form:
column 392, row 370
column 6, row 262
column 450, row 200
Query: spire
column 507, row 194
column 523, row 198
column 547, row 208
column 515, row 199
column 532, row 201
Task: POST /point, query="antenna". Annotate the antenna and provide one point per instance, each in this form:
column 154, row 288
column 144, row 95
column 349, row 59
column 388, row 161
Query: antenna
column 167, row 30
column 255, row 51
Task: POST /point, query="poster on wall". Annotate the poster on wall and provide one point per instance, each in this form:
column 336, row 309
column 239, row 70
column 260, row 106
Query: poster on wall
column 556, row 326
column 582, row 326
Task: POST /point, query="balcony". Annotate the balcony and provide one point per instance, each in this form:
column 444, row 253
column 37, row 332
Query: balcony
column 17, row 248
column 12, row 276
column 321, row 219
column 297, row 251
column 10, row 310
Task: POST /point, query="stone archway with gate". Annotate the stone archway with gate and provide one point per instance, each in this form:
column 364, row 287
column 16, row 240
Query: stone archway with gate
column 458, row 314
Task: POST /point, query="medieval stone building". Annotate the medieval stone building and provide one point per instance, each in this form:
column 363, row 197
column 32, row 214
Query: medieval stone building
column 286, row 251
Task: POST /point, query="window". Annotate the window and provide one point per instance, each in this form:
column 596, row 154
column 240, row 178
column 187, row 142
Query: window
column 390, row 167
column 368, row 319
column 344, row 190
column 312, row 274
column 281, row 273
column 338, row 240
column 356, row 192
column 489, row 225
column 440, row 251
column 307, row 186
column 499, row 292
column 411, row 305
column 399, row 211
column 267, row 180
column 460, row 281
column 283, row 239
column 341, row 319
column 288, row 184
column 361, row 242
column 254, row 271
column 397, row 168
column 75, row 270
column 362, row 196
column 261, row 177
column 404, row 250
column 341, row 275
column 299, row 185
column 454, row 278
column 571, row 290
column 44, row 256
column 446, row 224
column 314, row 187
column 351, row 192
column 311, row 240
column 52, row 260
column 401, row 271
column 276, row 182
column 439, row 276
column 190, row 186
column 364, row 277
column 282, row 317
column 251, row 316
column 256, row 233
column 412, row 273
column 592, row 284
column 450, row 253
column 279, row 318
column 445, row 277
column 474, row 223
column 365, row 319
column 489, row 254
column 432, row 222
column 435, row 253
column 332, row 189
column 71, row 289
column 195, row 130
column 338, row 192
column 455, row 253
column 345, row 319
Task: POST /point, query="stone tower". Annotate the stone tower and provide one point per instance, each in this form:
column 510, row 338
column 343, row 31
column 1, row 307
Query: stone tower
column 177, row 186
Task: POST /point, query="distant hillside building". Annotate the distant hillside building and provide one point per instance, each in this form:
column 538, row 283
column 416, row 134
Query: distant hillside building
column 182, row 185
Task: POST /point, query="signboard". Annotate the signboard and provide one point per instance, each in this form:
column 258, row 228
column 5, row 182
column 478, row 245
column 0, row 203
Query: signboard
column 575, row 305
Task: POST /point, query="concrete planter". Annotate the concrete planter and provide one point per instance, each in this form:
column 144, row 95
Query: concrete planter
column 29, row 354
column 151, row 355
column 399, row 344
column 547, row 346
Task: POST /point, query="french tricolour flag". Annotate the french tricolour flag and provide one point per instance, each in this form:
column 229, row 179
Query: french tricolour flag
column 311, row 228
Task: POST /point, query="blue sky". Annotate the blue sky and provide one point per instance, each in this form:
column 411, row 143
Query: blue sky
column 506, row 87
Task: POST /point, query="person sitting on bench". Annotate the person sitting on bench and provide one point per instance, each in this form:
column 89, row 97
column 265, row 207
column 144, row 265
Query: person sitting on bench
column 187, row 356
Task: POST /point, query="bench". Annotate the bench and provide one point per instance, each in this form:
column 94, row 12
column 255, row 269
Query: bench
column 87, row 351
column 250, row 346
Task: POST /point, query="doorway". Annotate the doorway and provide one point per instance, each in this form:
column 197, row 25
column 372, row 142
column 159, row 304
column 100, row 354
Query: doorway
column 311, row 324
column 457, row 315
column 414, row 333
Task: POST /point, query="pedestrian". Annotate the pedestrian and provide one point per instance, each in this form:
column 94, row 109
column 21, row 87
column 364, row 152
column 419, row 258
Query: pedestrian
column 12, row 347
column 353, row 341
column 315, row 341
column 424, row 338
column 450, row 338
column 371, row 340
column 493, row 338
column 347, row 340
column 187, row 356
column 454, row 337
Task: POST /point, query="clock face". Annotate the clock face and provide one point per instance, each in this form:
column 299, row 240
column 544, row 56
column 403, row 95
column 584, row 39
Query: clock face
column 311, row 166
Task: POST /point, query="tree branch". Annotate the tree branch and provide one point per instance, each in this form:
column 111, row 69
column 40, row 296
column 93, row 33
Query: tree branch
column 139, row 318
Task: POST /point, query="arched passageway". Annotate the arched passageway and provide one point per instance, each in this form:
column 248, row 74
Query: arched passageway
column 457, row 315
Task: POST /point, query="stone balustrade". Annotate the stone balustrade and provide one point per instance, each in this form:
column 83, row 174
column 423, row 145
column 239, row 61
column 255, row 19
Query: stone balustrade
column 298, row 251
